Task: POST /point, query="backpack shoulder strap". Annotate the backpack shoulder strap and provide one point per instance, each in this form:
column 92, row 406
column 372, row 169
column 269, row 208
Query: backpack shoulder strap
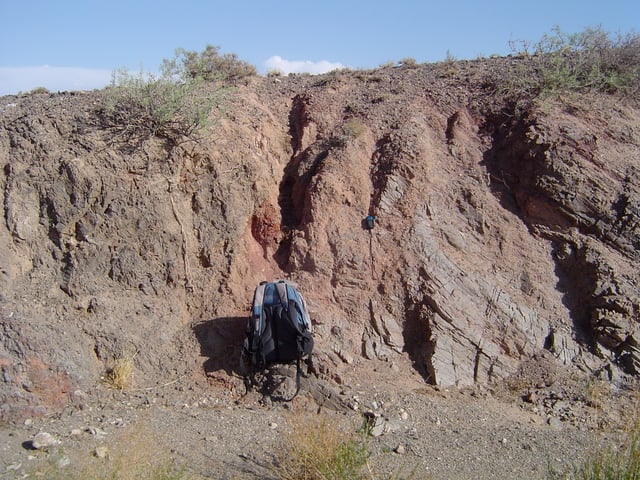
column 257, row 315
column 283, row 294
column 251, row 351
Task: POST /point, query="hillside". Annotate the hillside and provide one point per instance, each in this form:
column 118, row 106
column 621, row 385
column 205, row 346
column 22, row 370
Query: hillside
column 504, row 260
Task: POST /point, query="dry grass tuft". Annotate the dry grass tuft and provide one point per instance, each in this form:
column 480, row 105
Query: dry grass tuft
column 619, row 460
column 317, row 450
column 598, row 393
column 133, row 454
column 120, row 375
column 621, row 463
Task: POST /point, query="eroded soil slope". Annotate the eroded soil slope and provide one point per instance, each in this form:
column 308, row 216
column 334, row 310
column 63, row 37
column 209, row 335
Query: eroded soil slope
column 501, row 237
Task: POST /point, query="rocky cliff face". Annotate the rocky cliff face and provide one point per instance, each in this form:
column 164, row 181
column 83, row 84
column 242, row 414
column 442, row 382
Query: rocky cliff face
column 497, row 235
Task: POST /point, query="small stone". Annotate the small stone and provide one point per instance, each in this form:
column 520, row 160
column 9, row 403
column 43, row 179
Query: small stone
column 96, row 432
column 101, row 452
column 79, row 399
column 561, row 406
column 346, row 357
column 455, row 238
column 379, row 428
column 400, row 449
column 44, row 440
column 28, row 422
column 369, row 350
column 273, row 425
column 394, row 425
column 554, row 422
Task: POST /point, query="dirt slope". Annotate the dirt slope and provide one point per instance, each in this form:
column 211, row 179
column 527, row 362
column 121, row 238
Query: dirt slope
column 505, row 252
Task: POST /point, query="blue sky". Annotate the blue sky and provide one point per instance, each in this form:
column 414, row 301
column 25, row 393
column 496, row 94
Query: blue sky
column 75, row 45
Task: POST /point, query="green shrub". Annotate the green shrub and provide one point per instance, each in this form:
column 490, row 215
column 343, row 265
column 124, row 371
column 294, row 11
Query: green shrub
column 621, row 463
column 316, row 450
column 38, row 90
column 409, row 62
column 208, row 65
column 351, row 129
column 175, row 104
column 591, row 60
column 141, row 106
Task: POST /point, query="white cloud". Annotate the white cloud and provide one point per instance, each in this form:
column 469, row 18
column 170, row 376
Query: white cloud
column 277, row 63
column 23, row 79
column 14, row 80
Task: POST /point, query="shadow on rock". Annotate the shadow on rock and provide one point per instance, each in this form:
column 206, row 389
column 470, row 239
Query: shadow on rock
column 221, row 341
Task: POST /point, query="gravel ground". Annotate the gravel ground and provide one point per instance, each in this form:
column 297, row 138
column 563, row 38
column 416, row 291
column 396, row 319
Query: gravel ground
column 416, row 431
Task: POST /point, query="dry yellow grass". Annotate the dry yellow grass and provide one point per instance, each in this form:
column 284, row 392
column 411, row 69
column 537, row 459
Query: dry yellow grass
column 120, row 375
column 618, row 462
column 315, row 449
column 133, row 454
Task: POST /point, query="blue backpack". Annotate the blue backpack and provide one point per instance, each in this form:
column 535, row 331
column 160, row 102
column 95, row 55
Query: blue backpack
column 278, row 331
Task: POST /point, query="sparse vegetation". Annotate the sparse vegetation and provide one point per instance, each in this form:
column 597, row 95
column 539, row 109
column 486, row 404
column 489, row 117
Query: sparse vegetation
column 351, row 129
column 176, row 104
column 591, row 60
column 175, row 238
column 450, row 65
column 38, row 90
column 120, row 375
column 143, row 105
column 316, row 450
column 621, row 463
column 409, row 62
column 208, row 65
column 131, row 456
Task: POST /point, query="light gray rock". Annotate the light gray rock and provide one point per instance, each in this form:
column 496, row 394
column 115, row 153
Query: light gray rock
column 44, row 440
column 477, row 331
